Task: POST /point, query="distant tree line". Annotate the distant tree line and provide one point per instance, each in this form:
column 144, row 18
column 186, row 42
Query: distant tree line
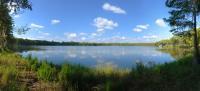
column 27, row 42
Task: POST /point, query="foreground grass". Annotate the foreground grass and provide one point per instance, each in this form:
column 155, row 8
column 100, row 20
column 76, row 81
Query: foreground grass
column 17, row 73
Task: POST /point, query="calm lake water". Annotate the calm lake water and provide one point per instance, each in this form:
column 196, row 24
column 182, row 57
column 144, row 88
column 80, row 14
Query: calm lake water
column 94, row 56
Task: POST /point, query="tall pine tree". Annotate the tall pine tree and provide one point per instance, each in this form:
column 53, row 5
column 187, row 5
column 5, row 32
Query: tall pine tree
column 183, row 17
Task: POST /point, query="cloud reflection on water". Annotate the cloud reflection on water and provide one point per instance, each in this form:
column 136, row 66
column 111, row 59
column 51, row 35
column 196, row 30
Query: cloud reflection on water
column 117, row 56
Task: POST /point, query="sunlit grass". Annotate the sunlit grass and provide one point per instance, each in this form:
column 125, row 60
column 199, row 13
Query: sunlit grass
column 8, row 70
column 110, row 70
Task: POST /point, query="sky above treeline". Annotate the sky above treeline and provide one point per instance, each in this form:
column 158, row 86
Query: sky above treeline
column 95, row 20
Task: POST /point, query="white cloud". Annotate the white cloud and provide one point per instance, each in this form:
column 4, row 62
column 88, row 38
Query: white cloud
column 82, row 34
column 55, row 21
column 123, row 38
column 100, row 30
column 102, row 24
column 140, row 28
column 114, row 9
column 16, row 16
column 70, row 35
column 94, row 34
column 137, row 30
column 143, row 26
column 150, row 37
column 46, row 34
column 11, row 7
column 114, row 39
column 83, row 38
column 35, row 26
column 43, row 33
column 160, row 22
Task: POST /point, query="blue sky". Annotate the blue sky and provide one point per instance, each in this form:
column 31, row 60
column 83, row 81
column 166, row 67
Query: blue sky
column 95, row 20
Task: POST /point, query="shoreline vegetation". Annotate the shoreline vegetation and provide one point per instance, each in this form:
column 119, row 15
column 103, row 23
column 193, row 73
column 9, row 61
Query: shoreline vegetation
column 29, row 73
column 179, row 41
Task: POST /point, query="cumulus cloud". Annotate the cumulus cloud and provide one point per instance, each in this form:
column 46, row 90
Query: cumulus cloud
column 43, row 33
column 94, row 34
column 73, row 35
column 114, row 9
column 36, row 26
column 103, row 24
column 123, row 38
column 143, row 26
column 46, row 34
column 140, row 28
column 40, row 36
column 114, row 39
column 70, row 35
column 137, row 30
column 55, row 21
column 82, row 34
column 83, row 38
column 160, row 22
column 150, row 37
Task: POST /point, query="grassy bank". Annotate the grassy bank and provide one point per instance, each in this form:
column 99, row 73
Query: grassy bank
column 17, row 73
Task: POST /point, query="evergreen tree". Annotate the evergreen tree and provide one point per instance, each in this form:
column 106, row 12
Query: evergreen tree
column 184, row 17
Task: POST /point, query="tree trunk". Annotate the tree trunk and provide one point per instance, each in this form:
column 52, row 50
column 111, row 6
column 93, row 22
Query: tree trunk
column 1, row 39
column 3, row 36
column 195, row 40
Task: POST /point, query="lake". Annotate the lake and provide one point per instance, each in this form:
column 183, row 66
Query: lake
column 94, row 56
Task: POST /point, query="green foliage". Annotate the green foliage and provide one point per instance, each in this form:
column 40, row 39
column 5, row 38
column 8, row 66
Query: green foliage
column 9, row 73
column 182, row 14
column 19, row 4
column 183, row 17
column 181, row 75
column 46, row 72
column 6, row 24
column 77, row 76
column 6, row 21
column 8, row 76
column 184, row 41
column 32, row 63
column 64, row 73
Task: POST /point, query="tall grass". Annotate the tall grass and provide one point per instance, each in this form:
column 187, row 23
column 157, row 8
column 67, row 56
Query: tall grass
column 9, row 72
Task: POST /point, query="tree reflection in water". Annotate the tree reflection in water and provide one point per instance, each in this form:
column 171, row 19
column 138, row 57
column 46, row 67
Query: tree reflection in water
column 177, row 53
